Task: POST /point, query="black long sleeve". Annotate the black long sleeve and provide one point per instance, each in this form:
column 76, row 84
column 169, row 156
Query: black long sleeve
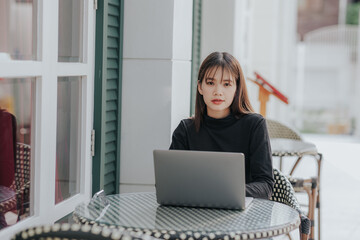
column 247, row 134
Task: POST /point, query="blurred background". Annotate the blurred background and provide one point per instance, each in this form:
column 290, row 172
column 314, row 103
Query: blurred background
column 308, row 49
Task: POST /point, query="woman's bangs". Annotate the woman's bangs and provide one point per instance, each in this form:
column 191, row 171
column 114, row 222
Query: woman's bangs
column 231, row 71
column 211, row 71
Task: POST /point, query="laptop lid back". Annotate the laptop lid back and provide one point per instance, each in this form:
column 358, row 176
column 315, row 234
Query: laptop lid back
column 200, row 179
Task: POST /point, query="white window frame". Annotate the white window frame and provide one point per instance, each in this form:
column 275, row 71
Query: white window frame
column 43, row 142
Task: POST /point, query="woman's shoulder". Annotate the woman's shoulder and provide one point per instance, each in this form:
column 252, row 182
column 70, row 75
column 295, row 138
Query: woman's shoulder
column 186, row 123
column 252, row 118
column 253, row 122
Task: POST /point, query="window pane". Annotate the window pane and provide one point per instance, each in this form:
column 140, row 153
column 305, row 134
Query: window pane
column 68, row 137
column 16, row 110
column 71, row 15
column 18, row 29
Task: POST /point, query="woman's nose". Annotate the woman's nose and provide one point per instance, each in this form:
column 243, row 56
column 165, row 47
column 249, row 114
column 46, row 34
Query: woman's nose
column 218, row 90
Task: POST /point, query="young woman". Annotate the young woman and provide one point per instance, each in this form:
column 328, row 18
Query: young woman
column 224, row 121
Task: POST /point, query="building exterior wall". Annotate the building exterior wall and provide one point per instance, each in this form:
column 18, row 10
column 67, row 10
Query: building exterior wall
column 314, row 14
column 329, row 62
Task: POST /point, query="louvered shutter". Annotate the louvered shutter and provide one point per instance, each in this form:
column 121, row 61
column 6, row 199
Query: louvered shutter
column 107, row 96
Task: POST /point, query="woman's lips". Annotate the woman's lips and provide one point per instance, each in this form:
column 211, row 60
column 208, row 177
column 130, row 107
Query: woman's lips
column 217, row 101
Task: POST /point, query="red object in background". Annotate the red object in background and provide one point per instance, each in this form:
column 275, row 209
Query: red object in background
column 260, row 80
column 7, row 148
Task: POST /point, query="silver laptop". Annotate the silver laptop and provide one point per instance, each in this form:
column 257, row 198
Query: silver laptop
column 200, row 179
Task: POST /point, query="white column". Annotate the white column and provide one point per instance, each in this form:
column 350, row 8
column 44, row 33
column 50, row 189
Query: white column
column 264, row 25
column 286, row 67
column 298, row 95
column 155, row 84
column 342, row 11
column 242, row 34
column 357, row 121
column 273, row 50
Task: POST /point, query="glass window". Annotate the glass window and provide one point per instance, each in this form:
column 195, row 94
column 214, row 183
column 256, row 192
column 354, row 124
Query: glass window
column 68, row 137
column 18, row 30
column 71, row 14
column 16, row 111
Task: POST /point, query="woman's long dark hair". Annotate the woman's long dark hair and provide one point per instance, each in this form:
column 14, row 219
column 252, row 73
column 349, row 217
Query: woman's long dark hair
column 241, row 103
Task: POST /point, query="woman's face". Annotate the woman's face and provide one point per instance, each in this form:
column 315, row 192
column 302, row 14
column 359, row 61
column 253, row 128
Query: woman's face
column 218, row 91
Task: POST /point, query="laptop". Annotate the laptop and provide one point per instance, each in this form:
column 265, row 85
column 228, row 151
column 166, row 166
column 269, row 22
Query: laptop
column 200, row 179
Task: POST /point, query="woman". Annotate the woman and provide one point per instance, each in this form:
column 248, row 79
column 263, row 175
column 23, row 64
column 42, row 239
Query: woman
column 224, row 121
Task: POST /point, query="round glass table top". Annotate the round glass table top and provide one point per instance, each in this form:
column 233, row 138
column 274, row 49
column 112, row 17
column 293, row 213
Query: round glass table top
column 141, row 211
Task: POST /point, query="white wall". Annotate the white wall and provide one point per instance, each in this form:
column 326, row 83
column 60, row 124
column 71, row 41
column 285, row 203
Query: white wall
column 226, row 27
column 155, row 84
column 242, row 33
column 217, row 27
column 273, row 50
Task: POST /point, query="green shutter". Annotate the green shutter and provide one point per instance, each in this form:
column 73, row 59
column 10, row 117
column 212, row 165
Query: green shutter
column 196, row 51
column 107, row 96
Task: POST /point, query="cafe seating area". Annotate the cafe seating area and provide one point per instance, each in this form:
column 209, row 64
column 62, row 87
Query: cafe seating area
column 301, row 187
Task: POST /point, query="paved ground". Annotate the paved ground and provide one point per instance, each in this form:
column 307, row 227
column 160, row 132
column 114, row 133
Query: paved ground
column 340, row 185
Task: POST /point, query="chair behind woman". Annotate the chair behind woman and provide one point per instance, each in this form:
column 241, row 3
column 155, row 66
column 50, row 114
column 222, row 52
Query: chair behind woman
column 298, row 148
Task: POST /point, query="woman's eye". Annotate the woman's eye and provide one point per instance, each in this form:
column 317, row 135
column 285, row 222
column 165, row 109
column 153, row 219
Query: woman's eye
column 227, row 84
column 210, row 83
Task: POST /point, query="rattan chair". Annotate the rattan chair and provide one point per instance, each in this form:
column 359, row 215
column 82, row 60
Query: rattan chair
column 78, row 232
column 292, row 144
column 22, row 179
column 21, row 183
column 279, row 130
column 283, row 192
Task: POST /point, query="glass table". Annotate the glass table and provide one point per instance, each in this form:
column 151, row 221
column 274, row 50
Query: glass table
column 140, row 212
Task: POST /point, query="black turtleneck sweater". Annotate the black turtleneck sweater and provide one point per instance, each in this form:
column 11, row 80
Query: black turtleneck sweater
column 246, row 134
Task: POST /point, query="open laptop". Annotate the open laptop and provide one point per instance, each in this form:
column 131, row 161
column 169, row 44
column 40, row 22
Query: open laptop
column 200, row 179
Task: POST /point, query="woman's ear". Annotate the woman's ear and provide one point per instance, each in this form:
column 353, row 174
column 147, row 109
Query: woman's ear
column 199, row 89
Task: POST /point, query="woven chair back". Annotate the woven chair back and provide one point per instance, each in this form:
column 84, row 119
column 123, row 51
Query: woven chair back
column 280, row 130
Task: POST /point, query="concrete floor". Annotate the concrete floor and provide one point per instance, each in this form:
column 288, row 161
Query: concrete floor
column 340, row 185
